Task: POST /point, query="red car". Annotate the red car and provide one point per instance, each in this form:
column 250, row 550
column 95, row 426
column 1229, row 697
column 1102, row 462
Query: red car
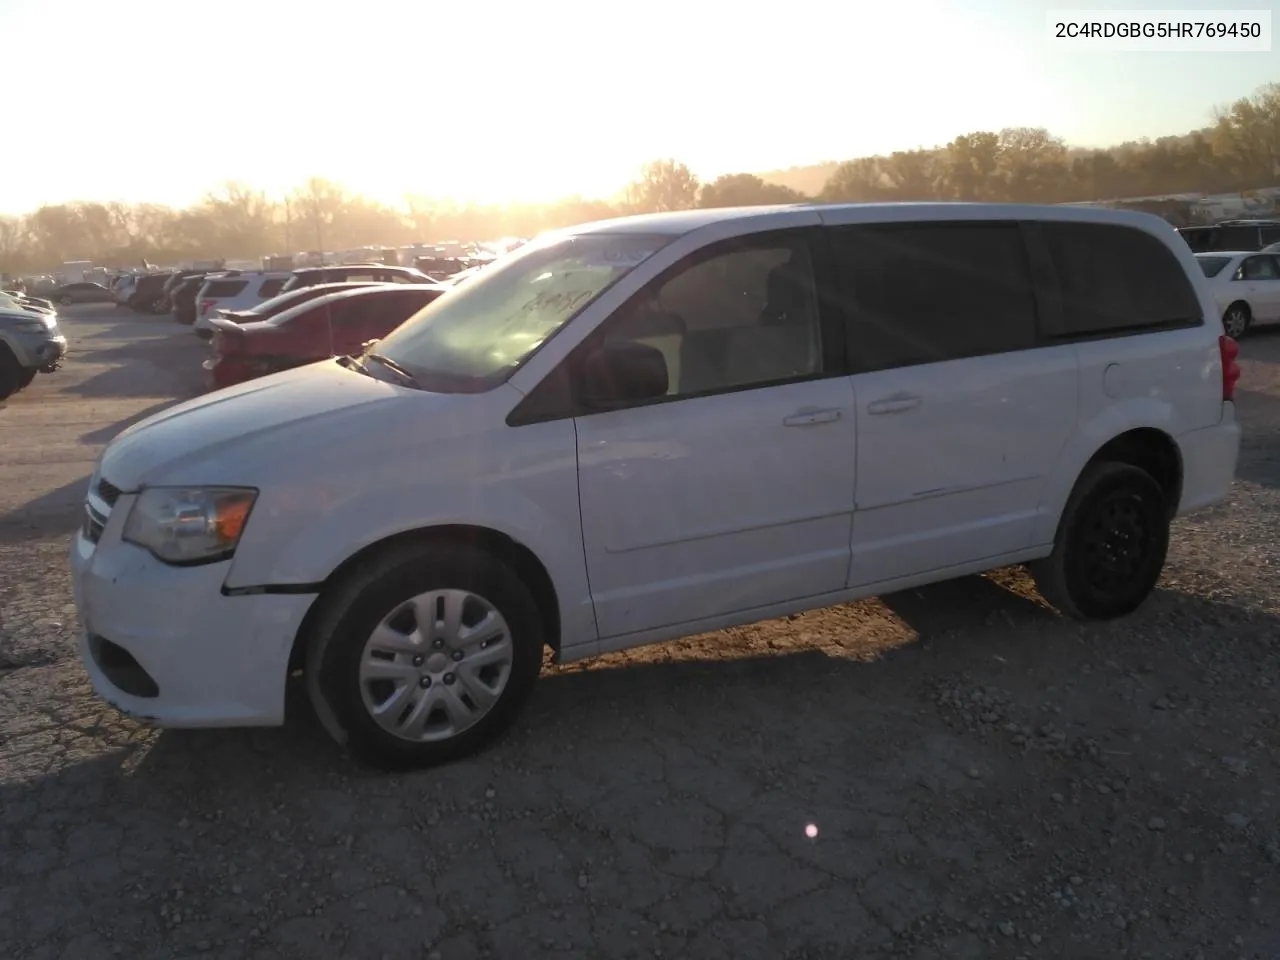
column 334, row 325
column 283, row 301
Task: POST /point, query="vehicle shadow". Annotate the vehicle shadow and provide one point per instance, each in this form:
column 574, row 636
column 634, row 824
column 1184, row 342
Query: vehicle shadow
column 150, row 322
column 157, row 366
column 687, row 763
column 61, row 508
column 1261, row 344
column 104, row 435
column 1260, row 439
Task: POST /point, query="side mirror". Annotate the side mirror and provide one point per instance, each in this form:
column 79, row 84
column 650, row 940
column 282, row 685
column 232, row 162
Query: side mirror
column 621, row 373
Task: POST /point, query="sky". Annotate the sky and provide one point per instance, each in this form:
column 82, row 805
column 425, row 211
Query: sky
column 162, row 100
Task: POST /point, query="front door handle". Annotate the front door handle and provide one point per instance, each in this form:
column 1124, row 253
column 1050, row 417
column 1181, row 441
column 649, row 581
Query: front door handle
column 810, row 416
column 898, row 403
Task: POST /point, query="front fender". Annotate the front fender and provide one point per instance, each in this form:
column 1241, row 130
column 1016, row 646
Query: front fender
column 299, row 534
column 16, row 346
column 1113, row 420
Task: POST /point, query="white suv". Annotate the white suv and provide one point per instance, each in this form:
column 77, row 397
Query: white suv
column 653, row 427
column 235, row 290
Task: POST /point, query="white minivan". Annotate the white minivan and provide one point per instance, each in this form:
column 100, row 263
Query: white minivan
column 653, row 427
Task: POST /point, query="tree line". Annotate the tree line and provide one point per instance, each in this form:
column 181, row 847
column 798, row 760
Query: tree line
column 1239, row 151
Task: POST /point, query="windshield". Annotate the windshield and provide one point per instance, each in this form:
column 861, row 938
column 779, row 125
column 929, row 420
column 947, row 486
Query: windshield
column 1212, row 266
column 478, row 334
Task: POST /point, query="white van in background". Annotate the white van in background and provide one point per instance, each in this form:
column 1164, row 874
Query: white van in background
column 235, row 290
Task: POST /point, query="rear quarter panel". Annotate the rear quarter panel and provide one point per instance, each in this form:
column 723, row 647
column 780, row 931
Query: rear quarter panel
column 1169, row 380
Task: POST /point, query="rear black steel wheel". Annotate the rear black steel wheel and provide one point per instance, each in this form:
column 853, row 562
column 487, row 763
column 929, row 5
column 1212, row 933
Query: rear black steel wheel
column 1111, row 544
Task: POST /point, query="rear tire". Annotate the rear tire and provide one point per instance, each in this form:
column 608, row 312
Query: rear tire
column 406, row 594
column 1110, row 547
column 66, row 301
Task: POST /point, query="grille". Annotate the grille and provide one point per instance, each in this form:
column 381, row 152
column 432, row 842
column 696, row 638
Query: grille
column 109, row 493
column 93, row 524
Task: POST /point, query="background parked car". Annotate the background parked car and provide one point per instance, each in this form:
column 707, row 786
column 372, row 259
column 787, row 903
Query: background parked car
column 29, row 302
column 183, row 298
column 310, row 276
column 1246, row 287
column 234, row 290
column 123, row 289
column 336, row 324
column 86, row 292
column 1232, row 235
column 148, row 293
column 171, row 285
column 284, row 301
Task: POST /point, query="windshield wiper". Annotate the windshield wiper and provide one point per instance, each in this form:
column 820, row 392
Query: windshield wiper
column 353, row 363
column 394, row 367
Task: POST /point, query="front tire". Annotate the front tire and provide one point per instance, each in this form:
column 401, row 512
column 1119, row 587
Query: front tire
column 66, row 301
column 11, row 373
column 426, row 655
column 1111, row 544
column 24, row 379
column 1237, row 320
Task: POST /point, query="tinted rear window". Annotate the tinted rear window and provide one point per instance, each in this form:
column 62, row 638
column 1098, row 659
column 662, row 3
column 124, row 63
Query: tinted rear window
column 929, row 292
column 1212, row 266
column 271, row 287
column 1239, row 238
column 1201, row 239
column 1117, row 279
column 224, row 288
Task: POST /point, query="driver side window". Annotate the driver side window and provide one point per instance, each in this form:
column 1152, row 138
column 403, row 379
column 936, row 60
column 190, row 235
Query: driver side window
column 742, row 314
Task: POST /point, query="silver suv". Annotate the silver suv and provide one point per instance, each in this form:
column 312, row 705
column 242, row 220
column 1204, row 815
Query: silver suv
column 30, row 342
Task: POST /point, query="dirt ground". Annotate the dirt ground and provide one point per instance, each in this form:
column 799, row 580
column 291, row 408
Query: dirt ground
column 952, row 772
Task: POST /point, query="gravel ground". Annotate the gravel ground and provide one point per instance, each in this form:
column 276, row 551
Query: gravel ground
column 952, row 772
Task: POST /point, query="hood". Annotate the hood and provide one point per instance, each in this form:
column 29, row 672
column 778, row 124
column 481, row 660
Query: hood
column 9, row 313
column 211, row 428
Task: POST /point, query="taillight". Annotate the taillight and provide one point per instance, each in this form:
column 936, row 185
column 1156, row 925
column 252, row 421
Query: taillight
column 1230, row 351
column 205, row 305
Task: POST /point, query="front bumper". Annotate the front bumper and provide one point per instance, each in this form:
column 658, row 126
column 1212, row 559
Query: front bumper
column 50, row 354
column 211, row 660
column 39, row 349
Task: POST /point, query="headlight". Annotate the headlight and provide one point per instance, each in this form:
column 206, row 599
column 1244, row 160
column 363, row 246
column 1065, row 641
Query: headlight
column 189, row 525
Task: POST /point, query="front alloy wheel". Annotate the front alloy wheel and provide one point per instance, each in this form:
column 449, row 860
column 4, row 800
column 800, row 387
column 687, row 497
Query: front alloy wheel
column 424, row 653
column 436, row 665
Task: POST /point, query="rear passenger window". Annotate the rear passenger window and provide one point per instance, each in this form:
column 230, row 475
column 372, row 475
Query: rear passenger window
column 741, row 315
column 218, row 289
column 271, row 287
column 1118, row 280
column 929, row 292
column 1270, row 235
column 1238, row 238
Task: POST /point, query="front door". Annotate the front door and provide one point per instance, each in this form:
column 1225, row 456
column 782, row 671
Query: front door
column 960, row 416
column 736, row 491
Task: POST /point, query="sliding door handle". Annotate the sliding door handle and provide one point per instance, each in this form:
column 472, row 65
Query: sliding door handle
column 809, row 416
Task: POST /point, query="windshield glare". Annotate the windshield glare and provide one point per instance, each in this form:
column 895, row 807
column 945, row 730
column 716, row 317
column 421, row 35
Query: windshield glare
column 1212, row 266
column 479, row 333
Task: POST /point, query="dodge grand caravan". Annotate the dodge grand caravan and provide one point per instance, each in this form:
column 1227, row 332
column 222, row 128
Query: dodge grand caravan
column 653, row 427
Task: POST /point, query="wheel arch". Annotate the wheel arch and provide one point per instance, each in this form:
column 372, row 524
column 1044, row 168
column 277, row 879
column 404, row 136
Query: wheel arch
column 1145, row 441
column 1152, row 450
column 523, row 561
